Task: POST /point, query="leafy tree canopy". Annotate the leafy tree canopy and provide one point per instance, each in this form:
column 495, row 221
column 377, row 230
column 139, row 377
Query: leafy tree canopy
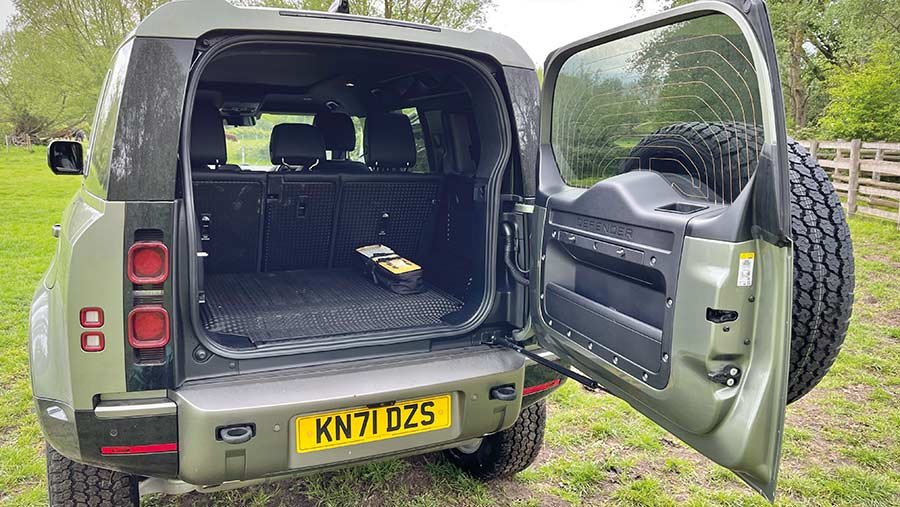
column 54, row 54
column 865, row 99
column 825, row 51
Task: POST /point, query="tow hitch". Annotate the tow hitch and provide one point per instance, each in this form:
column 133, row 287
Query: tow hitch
column 499, row 341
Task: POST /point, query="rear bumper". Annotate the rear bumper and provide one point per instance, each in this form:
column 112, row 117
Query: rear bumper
column 271, row 402
column 189, row 417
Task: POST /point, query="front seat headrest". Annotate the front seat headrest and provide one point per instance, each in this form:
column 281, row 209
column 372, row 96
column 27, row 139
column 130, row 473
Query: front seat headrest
column 389, row 142
column 338, row 131
column 207, row 135
column 296, row 144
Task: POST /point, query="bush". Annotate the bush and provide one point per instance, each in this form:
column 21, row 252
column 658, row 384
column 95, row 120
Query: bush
column 864, row 100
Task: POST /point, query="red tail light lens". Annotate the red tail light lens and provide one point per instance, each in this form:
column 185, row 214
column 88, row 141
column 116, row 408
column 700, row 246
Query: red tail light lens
column 148, row 327
column 540, row 387
column 148, row 263
column 138, row 449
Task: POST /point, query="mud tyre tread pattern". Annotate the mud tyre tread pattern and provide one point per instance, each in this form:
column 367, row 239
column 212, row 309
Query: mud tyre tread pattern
column 72, row 484
column 508, row 452
column 824, row 275
column 728, row 150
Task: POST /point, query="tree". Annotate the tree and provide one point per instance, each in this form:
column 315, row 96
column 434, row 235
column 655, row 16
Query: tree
column 54, row 54
column 459, row 14
column 54, row 59
column 819, row 39
column 864, row 98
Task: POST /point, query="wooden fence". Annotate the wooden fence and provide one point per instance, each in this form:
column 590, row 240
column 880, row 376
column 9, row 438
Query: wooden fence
column 866, row 175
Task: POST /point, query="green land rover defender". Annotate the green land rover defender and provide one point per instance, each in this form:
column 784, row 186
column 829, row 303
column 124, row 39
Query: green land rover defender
column 309, row 240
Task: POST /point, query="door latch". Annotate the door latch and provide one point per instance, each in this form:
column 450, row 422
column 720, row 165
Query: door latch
column 729, row 376
column 205, row 224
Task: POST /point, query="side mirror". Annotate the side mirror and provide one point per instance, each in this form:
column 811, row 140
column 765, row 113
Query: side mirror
column 65, row 157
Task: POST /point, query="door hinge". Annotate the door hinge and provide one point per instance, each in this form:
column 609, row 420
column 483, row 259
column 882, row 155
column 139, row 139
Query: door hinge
column 729, row 376
column 500, row 341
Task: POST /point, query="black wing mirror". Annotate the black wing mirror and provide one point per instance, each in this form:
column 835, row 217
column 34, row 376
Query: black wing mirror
column 65, row 157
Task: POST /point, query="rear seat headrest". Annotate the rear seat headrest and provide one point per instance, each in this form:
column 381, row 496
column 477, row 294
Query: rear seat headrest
column 296, row 144
column 337, row 130
column 207, row 135
column 389, row 142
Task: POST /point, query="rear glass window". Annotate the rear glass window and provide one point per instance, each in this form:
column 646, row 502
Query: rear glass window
column 682, row 101
column 249, row 146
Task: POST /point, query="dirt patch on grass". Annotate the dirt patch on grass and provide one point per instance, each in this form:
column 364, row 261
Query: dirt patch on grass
column 809, row 416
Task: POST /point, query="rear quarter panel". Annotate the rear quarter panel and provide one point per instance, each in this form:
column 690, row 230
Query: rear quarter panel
column 88, row 273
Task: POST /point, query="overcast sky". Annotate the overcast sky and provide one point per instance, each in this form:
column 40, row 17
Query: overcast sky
column 6, row 10
column 539, row 25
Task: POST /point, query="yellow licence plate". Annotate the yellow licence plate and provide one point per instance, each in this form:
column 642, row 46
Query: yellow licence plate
column 368, row 424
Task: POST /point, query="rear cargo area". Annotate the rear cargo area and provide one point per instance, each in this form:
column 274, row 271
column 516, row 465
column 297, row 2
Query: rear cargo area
column 296, row 305
column 391, row 155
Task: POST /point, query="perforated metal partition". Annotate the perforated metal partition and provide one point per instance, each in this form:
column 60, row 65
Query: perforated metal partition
column 393, row 210
column 229, row 212
column 681, row 100
column 299, row 220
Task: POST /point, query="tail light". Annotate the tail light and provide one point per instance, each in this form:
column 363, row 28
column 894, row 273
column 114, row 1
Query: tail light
column 91, row 317
column 92, row 341
column 114, row 450
column 148, row 263
column 540, row 387
column 148, row 327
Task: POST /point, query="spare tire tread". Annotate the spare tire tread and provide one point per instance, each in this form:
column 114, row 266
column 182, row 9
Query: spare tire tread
column 824, row 273
column 714, row 143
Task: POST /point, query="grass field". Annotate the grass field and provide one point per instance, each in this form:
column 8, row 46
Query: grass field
column 842, row 442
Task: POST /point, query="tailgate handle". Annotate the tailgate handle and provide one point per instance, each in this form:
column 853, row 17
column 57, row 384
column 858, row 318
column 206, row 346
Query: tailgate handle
column 236, row 434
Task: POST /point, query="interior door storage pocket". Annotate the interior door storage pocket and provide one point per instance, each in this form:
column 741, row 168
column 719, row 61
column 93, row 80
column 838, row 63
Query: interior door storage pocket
column 625, row 336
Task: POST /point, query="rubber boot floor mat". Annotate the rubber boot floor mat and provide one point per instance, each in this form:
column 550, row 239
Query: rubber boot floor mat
column 297, row 305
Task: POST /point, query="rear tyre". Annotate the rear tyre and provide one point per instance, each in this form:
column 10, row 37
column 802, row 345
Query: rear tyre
column 508, row 452
column 72, row 484
column 719, row 159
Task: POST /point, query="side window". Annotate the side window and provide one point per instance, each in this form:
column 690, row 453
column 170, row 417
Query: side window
column 87, row 167
column 422, row 165
column 357, row 155
column 103, row 130
column 682, row 101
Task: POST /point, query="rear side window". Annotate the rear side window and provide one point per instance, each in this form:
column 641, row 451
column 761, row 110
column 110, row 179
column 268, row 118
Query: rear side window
column 103, row 130
column 422, row 165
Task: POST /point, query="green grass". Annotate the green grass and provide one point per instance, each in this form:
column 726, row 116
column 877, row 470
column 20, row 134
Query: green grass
column 842, row 442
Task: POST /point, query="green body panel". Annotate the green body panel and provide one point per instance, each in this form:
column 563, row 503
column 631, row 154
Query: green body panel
column 86, row 272
column 741, row 427
column 189, row 19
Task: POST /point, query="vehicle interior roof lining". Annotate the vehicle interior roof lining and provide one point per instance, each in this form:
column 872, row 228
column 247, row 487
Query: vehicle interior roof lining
column 292, row 78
